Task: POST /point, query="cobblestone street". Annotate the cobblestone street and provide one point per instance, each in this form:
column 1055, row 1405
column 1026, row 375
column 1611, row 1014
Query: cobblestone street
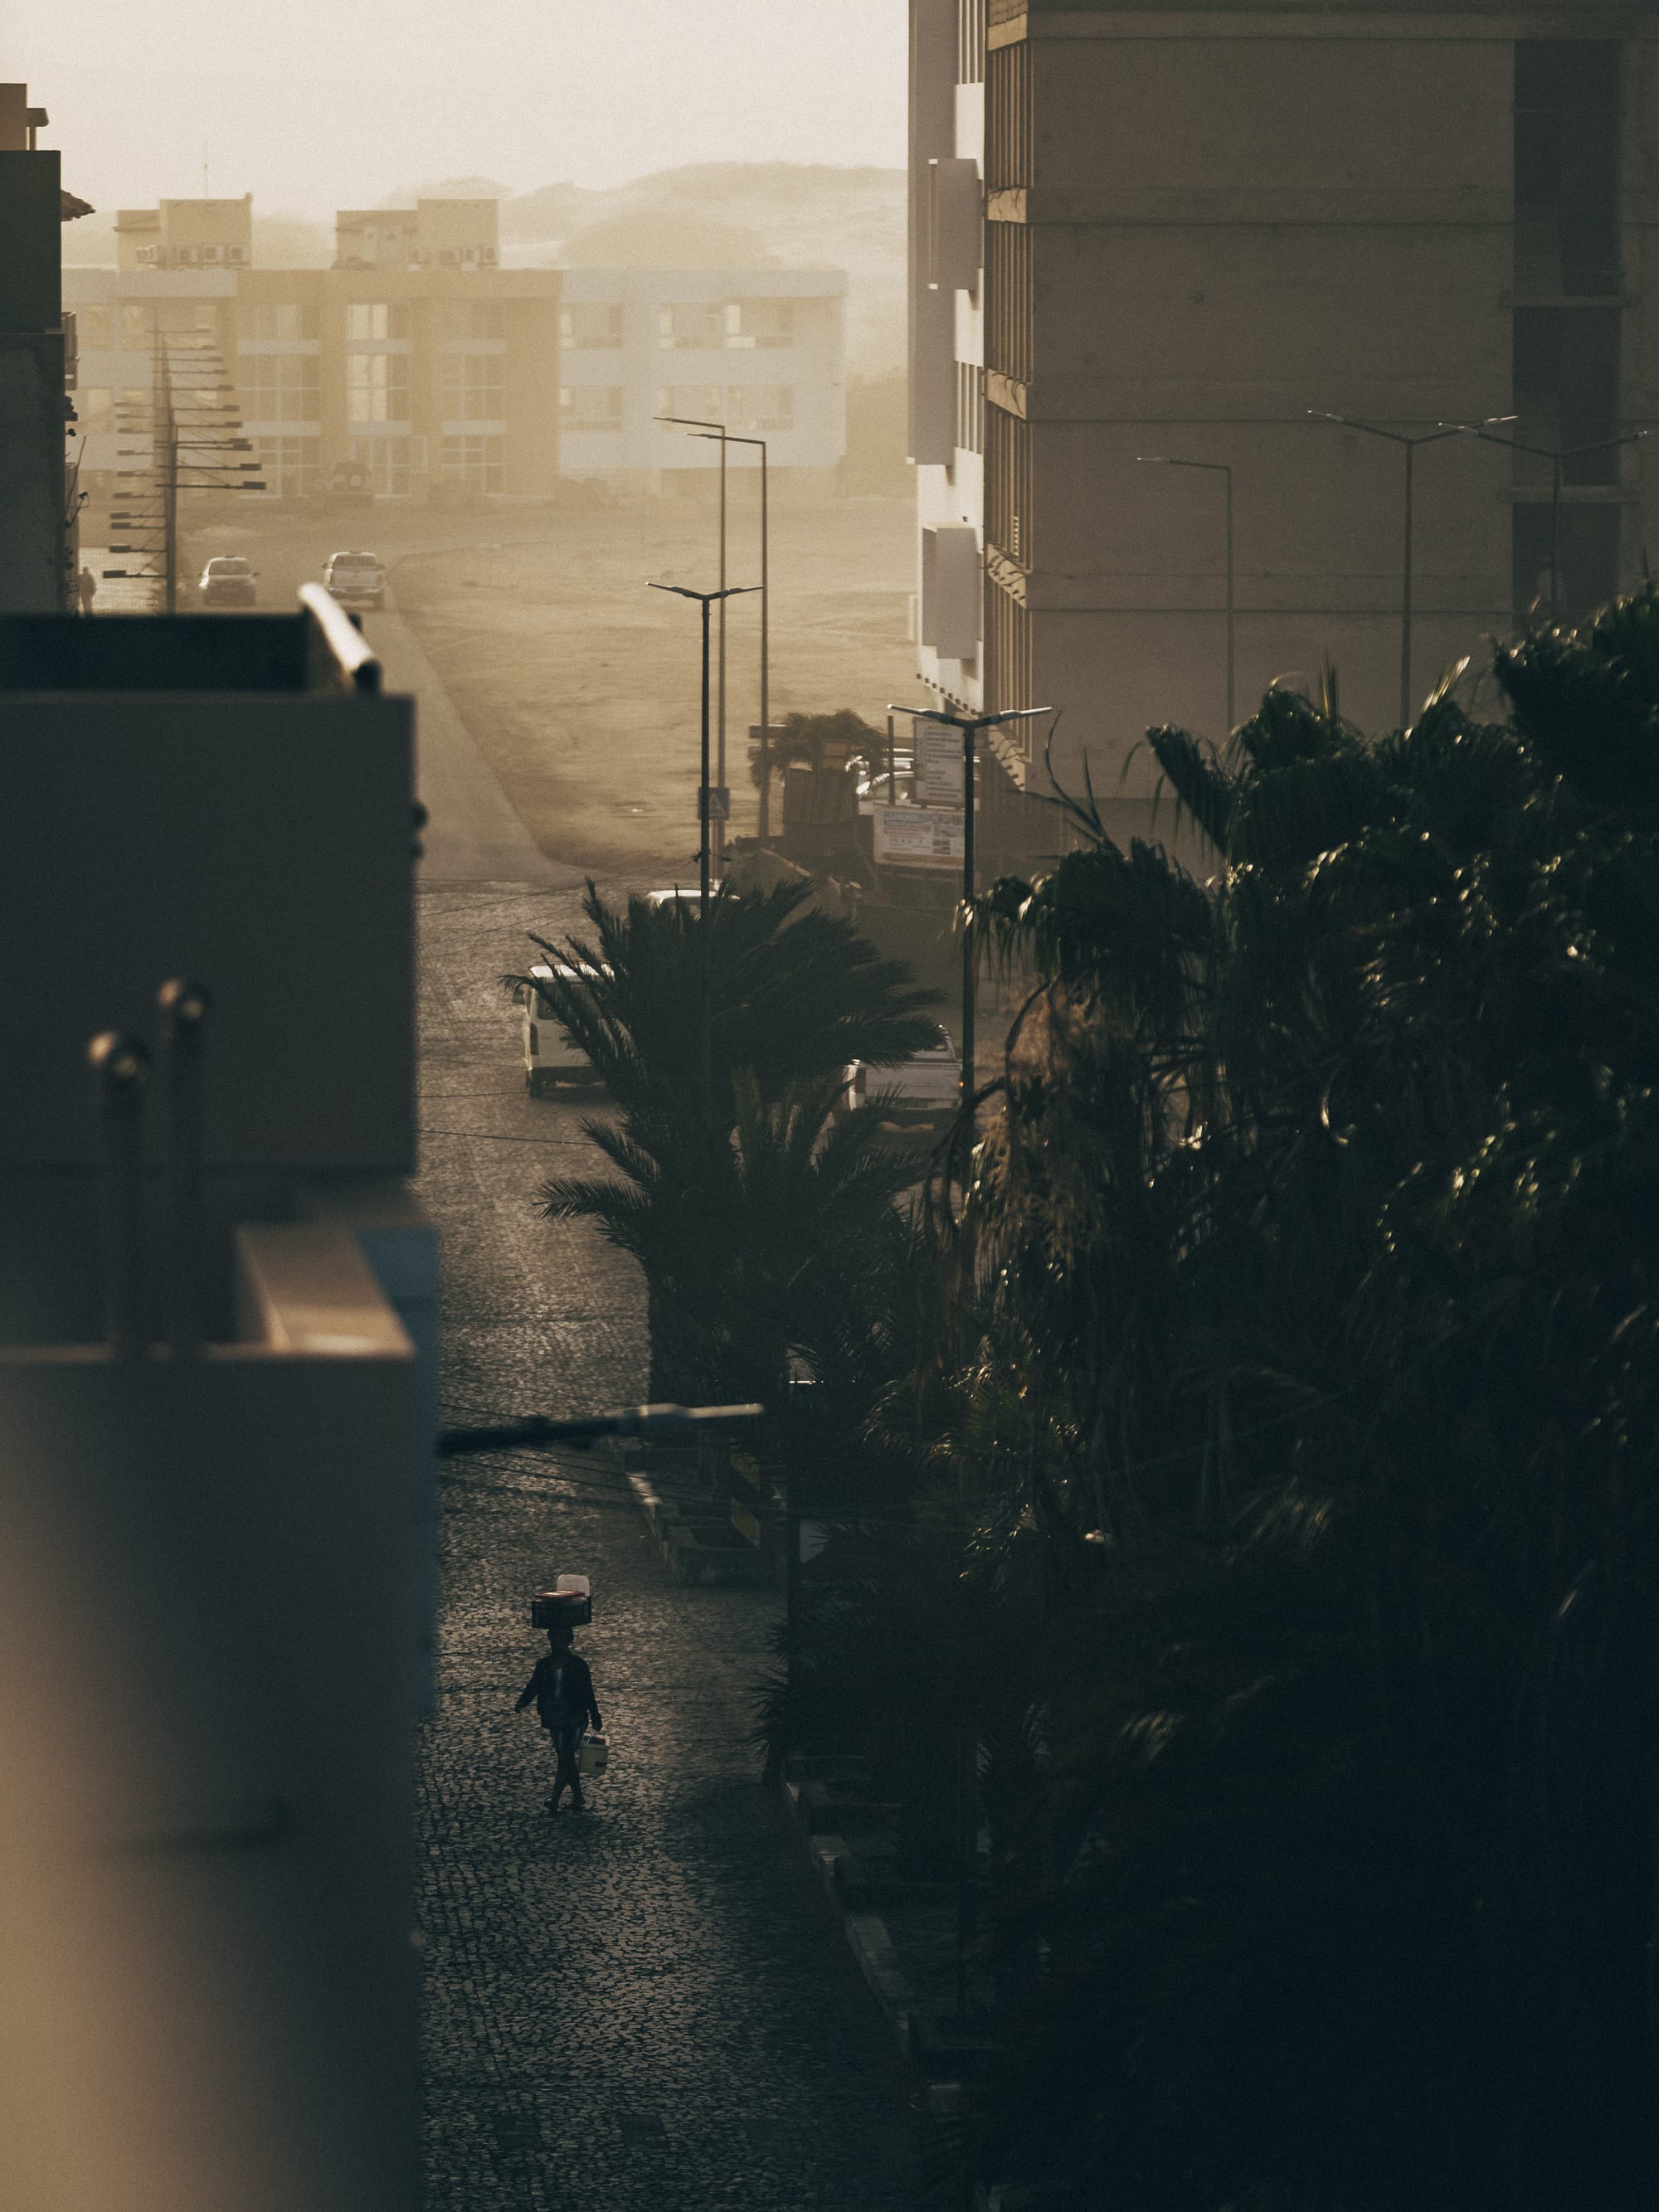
column 648, row 2004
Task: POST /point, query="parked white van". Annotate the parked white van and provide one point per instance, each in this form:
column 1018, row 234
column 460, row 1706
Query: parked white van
column 550, row 1057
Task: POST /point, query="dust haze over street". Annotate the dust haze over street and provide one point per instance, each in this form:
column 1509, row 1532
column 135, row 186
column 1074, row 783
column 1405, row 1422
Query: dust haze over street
column 578, row 686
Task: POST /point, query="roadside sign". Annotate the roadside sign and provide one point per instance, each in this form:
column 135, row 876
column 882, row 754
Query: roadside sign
column 919, row 837
column 719, row 803
column 938, row 762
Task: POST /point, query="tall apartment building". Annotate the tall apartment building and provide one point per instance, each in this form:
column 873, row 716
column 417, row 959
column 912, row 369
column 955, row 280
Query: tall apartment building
column 1192, row 231
column 762, row 350
column 415, row 355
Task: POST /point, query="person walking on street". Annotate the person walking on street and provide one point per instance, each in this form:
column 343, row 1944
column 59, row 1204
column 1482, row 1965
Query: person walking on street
column 561, row 1690
column 86, row 590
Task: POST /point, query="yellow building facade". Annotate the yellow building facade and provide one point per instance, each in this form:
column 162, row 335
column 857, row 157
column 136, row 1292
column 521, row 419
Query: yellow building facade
column 415, row 356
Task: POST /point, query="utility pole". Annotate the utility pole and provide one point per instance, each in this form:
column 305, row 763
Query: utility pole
column 182, row 456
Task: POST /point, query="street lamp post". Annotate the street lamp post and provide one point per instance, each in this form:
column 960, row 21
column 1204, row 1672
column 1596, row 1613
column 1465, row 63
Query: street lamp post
column 715, row 430
column 705, row 600
column 1409, row 446
column 1557, row 456
column 971, row 726
column 764, row 823
column 1222, row 469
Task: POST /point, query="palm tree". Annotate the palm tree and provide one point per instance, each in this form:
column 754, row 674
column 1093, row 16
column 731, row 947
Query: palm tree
column 793, row 992
column 749, row 1213
column 1307, row 1327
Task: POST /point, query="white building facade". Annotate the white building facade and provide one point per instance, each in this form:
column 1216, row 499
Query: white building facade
column 762, row 350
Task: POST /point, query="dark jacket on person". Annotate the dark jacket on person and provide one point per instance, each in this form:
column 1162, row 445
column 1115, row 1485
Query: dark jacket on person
column 561, row 1690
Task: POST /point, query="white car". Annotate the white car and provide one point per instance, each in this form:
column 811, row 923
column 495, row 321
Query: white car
column 679, row 895
column 872, row 783
column 926, row 1087
column 356, row 580
column 550, row 1057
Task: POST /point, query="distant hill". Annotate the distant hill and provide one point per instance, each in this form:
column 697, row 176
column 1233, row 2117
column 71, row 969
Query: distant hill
column 749, row 215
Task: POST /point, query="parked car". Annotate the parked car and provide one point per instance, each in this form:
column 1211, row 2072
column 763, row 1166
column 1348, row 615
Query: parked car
column 871, row 780
column 550, row 1057
column 680, row 895
column 227, row 580
column 356, row 580
column 926, row 1087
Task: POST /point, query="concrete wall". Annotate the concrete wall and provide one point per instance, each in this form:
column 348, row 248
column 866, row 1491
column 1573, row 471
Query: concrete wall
column 215, row 1555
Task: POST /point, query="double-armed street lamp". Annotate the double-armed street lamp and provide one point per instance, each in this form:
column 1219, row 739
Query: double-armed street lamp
column 705, row 600
column 971, row 726
column 763, row 822
column 1221, row 469
column 713, row 430
column 1409, row 446
column 1557, row 456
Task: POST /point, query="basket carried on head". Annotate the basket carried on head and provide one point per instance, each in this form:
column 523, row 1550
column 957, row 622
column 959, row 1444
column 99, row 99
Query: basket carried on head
column 570, row 1601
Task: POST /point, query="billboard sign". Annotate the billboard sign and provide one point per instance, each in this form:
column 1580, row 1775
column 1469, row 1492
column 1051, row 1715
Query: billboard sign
column 919, row 837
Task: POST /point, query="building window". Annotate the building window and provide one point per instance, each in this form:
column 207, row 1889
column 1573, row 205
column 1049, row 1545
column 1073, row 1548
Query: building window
column 1008, row 119
column 584, row 324
column 1566, row 167
column 971, row 408
column 367, row 319
column 694, row 323
column 970, row 41
column 281, row 387
column 93, row 329
column 474, row 387
column 1008, row 485
column 759, row 322
column 276, row 321
column 692, row 402
column 1010, row 305
column 754, row 409
column 474, row 464
column 1566, row 382
column 137, row 329
column 377, row 387
column 591, row 406
column 389, row 461
column 474, row 319
column 287, row 466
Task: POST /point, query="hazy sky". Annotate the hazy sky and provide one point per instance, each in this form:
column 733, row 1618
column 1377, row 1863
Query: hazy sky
column 311, row 104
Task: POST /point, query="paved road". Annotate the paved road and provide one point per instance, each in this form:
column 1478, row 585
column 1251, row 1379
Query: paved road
column 473, row 834
column 648, row 2005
